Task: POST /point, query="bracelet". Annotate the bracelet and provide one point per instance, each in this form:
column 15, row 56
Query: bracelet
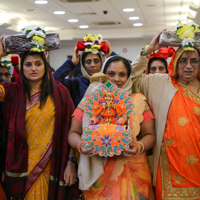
column 72, row 159
column 142, row 146
column 145, row 54
column 138, row 148
column 79, row 146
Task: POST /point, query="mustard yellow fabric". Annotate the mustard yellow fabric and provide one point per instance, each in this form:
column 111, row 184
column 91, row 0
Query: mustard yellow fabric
column 39, row 132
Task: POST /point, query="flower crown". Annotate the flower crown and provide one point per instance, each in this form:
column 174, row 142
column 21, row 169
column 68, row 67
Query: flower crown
column 6, row 61
column 186, row 32
column 93, row 43
column 36, row 35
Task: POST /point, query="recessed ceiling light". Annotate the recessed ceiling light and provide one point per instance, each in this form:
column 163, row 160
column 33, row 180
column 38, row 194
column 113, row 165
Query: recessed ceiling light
column 134, row 18
column 41, row 2
column 128, row 9
column 138, row 24
column 83, row 26
column 59, row 12
column 72, row 20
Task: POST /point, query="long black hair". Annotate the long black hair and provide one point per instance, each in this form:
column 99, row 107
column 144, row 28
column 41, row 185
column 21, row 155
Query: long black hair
column 116, row 59
column 46, row 86
column 159, row 59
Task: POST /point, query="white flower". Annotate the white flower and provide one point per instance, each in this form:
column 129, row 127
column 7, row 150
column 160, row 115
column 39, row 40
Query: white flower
column 178, row 26
column 95, row 51
column 39, row 26
column 88, row 43
column 30, row 34
column 186, row 41
column 98, row 40
column 35, row 42
column 5, row 59
column 40, row 33
column 191, row 23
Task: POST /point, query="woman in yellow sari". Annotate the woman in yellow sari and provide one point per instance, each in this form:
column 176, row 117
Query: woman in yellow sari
column 37, row 118
column 126, row 176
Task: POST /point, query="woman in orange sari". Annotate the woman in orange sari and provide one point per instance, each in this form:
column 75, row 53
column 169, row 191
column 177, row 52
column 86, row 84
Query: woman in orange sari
column 175, row 101
column 37, row 118
column 126, row 176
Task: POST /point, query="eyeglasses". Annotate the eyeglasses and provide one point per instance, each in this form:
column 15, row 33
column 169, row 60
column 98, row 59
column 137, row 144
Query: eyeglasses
column 7, row 75
column 160, row 68
column 185, row 62
column 89, row 62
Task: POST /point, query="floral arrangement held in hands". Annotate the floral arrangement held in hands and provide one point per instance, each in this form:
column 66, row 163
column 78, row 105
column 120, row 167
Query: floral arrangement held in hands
column 6, row 61
column 93, row 43
column 186, row 32
column 36, row 35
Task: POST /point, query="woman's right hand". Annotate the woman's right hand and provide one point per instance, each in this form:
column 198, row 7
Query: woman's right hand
column 87, row 151
column 75, row 57
column 154, row 45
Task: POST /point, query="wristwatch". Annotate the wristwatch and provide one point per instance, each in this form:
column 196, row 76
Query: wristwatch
column 72, row 159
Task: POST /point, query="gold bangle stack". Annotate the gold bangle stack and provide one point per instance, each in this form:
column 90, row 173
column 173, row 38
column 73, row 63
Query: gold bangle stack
column 141, row 145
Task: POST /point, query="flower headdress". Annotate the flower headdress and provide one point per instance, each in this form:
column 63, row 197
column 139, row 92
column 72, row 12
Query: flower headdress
column 6, row 61
column 36, row 35
column 186, row 32
column 92, row 43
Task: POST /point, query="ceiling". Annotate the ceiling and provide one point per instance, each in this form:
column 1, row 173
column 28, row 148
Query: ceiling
column 154, row 14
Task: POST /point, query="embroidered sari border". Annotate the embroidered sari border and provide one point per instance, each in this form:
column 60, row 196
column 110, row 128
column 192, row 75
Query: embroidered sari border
column 39, row 168
column 11, row 174
column 168, row 191
column 52, row 178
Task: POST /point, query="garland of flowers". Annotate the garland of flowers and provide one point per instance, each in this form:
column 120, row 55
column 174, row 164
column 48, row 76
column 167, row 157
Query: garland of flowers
column 6, row 61
column 187, row 33
column 36, row 35
column 93, row 43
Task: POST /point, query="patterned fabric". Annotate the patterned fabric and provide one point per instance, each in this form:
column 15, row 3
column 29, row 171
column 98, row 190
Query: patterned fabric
column 17, row 147
column 180, row 150
column 39, row 132
column 123, row 178
column 78, row 113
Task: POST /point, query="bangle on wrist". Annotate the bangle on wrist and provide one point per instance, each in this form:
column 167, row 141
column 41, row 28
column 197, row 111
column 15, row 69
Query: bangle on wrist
column 141, row 145
column 138, row 148
column 72, row 159
column 79, row 146
column 145, row 54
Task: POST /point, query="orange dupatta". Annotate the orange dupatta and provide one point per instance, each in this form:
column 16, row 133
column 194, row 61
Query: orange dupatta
column 179, row 170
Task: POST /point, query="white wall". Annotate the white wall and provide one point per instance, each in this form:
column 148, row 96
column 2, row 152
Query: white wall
column 58, row 57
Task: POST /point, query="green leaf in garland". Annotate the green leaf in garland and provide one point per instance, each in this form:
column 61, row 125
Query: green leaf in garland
column 88, row 132
column 100, row 93
column 91, row 101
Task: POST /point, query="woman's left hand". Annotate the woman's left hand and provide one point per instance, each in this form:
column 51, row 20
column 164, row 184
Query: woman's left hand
column 133, row 150
column 70, row 174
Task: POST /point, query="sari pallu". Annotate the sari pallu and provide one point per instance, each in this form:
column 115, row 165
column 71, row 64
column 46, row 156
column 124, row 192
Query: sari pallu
column 16, row 144
column 179, row 169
